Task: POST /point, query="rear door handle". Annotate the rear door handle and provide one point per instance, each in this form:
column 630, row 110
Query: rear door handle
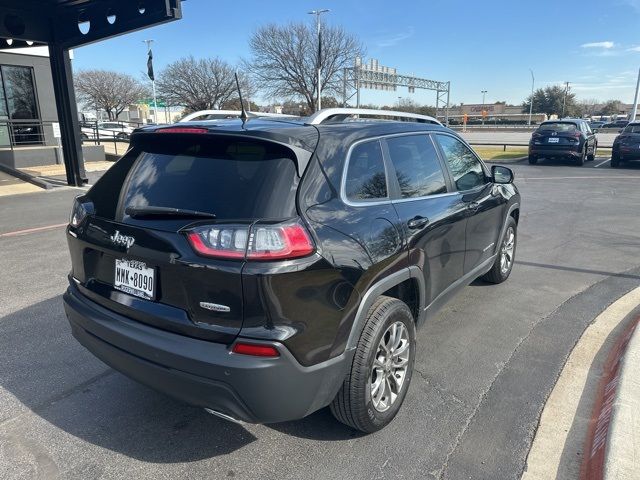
column 417, row 222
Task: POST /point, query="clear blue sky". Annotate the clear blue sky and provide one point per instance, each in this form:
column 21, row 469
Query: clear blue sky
column 476, row 44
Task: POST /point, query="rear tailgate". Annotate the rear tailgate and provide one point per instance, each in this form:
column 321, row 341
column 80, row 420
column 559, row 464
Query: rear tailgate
column 143, row 266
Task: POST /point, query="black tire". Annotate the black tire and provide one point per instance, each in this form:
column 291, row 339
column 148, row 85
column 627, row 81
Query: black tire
column 615, row 161
column 592, row 157
column 498, row 274
column 122, row 136
column 84, row 136
column 580, row 160
column 533, row 159
column 353, row 405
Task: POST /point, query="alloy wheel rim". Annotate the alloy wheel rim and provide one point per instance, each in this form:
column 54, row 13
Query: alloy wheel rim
column 506, row 251
column 390, row 365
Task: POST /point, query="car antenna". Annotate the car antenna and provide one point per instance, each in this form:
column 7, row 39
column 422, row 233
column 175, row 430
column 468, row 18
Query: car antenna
column 243, row 114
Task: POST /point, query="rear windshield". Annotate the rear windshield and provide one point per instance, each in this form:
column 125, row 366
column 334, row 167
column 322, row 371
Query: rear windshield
column 559, row 127
column 231, row 178
column 635, row 128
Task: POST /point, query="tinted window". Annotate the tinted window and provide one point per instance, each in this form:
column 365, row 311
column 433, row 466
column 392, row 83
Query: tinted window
column 417, row 167
column 466, row 168
column 366, row 177
column 230, row 178
column 633, row 128
column 559, row 127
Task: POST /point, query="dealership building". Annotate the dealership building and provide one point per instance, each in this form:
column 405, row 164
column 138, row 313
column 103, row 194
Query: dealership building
column 29, row 129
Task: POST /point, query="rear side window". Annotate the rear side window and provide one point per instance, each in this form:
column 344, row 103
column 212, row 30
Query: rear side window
column 417, row 166
column 231, row 178
column 464, row 165
column 366, row 178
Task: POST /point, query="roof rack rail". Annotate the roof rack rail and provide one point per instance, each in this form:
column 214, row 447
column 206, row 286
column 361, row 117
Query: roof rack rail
column 337, row 115
column 224, row 114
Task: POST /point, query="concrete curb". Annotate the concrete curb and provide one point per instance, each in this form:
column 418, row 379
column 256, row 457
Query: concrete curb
column 622, row 458
column 26, row 177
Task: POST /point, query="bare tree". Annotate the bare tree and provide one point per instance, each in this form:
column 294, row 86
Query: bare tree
column 284, row 60
column 588, row 107
column 108, row 90
column 201, row 84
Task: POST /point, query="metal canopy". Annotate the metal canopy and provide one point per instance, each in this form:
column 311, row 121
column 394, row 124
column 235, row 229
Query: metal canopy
column 60, row 21
column 66, row 24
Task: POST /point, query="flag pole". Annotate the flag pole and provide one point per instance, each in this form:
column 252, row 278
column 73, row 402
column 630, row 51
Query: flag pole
column 153, row 80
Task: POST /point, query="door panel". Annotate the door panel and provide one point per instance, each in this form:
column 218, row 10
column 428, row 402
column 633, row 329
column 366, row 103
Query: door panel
column 432, row 218
column 484, row 202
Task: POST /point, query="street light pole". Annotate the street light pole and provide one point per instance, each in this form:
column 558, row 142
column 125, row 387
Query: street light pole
column 153, row 86
column 317, row 13
column 533, row 81
column 634, row 113
column 564, row 100
column 484, row 92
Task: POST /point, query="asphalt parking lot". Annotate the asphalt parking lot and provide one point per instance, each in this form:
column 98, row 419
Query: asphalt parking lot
column 485, row 365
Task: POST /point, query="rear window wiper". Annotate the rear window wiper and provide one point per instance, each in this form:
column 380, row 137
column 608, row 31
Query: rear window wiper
column 151, row 211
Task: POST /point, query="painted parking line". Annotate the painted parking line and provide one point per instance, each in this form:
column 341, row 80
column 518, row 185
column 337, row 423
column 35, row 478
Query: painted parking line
column 27, row 231
column 594, row 177
column 602, row 163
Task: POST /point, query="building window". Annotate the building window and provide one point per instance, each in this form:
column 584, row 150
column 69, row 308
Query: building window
column 18, row 105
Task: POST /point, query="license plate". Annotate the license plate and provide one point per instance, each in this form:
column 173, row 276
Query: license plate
column 135, row 278
column 553, row 140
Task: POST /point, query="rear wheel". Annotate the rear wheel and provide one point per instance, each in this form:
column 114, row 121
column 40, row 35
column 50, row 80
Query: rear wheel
column 533, row 159
column 615, row 161
column 580, row 160
column 506, row 255
column 375, row 388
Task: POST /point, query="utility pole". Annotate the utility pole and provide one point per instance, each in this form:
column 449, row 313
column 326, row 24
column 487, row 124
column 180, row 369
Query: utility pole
column 317, row 13
column 484, row 92
column 634, row 112
column 533, row 81
column 153, row 82
column 564, row 100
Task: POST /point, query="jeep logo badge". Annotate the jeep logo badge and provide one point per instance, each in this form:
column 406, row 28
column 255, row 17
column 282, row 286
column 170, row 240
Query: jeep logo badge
column 122, row 240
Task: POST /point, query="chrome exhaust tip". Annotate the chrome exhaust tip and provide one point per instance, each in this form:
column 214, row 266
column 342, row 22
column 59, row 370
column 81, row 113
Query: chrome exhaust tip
column 224, row 416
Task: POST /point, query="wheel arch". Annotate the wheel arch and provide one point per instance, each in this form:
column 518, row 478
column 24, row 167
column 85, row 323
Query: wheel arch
column 404, row 283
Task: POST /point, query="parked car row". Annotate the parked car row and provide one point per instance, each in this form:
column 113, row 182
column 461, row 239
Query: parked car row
column 567, row 138
column 107, row 130
column 575, row 139
column 626, row 146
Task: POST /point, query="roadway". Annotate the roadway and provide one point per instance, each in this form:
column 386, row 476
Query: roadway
column 484, row 368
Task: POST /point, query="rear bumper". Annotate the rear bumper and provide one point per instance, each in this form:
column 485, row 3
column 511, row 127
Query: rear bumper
column 205, row 374
column 544, row 151
column 628, row 153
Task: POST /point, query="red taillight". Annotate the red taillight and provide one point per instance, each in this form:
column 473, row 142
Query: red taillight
column 182, row 130
column 278, row 241
column 255, row 350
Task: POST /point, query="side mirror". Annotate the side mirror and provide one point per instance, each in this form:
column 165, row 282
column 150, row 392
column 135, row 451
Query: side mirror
column 502, row 174
column 620, row 131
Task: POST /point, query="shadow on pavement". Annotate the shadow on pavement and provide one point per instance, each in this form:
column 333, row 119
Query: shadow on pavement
column 58, row 380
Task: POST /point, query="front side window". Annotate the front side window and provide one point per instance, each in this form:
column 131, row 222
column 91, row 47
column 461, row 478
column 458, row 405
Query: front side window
column 464, row 165
column 366, row 178
column 417, row 167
